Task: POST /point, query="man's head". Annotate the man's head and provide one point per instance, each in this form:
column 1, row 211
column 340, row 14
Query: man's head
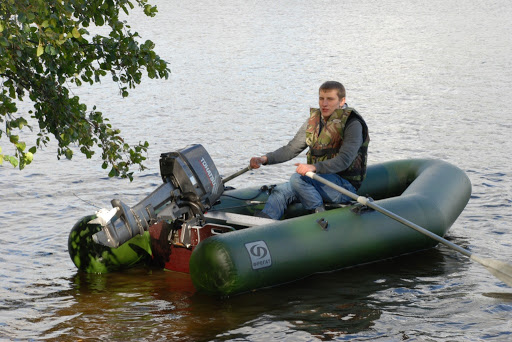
column 331, row 96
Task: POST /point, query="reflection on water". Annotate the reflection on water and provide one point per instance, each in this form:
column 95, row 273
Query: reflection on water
column 432, row 80
column 140, row 302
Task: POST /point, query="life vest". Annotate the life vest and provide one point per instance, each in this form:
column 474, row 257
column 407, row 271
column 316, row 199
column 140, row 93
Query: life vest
column 325, row 143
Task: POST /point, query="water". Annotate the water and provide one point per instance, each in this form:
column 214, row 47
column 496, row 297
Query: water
column 431, row 79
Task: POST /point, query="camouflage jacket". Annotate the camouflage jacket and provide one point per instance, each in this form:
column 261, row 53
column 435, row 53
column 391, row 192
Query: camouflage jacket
column 325, row 139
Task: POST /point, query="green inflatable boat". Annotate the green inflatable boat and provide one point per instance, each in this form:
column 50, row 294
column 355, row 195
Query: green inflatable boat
column 193, row 223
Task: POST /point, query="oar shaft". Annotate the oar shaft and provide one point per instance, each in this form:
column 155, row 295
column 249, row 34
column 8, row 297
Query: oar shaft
column 366, row 201
column 236, row 174
column 418, row 228
column 499, row 269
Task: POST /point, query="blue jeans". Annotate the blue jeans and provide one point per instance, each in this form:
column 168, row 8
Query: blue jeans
column 281, row 196
column 312, row 194
column 309, row 192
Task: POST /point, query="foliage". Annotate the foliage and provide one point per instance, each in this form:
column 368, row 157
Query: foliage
column 45, row 47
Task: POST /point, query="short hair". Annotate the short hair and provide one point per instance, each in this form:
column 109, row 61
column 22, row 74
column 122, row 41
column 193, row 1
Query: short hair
column 330, row 85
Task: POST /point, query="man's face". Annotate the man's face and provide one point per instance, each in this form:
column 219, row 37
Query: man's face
column 329, row 102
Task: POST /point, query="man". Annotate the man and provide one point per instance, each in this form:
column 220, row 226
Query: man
column 337, row 137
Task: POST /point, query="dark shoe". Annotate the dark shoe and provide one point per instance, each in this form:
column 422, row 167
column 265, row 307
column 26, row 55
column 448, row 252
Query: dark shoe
column 261, row 214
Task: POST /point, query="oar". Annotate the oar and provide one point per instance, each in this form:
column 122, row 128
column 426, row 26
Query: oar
column 499, row 269
column 236, row 174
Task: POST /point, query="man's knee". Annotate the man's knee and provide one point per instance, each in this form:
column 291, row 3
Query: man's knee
column 296, row 181
column 282, row 191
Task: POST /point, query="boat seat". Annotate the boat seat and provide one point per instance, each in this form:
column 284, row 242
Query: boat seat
column 237, row 219
column 293, row 210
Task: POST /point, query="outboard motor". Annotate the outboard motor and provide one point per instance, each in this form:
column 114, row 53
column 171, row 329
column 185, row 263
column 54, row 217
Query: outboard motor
column 191, row 186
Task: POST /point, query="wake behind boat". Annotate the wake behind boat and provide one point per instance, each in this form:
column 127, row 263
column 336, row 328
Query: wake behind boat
column 193, row 223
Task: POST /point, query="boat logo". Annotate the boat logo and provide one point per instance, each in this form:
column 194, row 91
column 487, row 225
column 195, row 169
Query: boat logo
column 259, row 254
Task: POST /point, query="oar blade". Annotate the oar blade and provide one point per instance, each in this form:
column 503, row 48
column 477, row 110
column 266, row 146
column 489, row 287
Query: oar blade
column 499, row 269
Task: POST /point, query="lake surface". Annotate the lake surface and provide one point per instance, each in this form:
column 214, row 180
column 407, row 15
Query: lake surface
column 432, row 79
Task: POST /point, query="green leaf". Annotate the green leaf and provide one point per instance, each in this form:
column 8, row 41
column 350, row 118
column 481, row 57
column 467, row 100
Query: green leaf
column 98, row 19
column 75, row 33
column 29, row 157
column 20, row 146
column 14, row 139
column 12, row 160
column 40, row 49
column 68, row 153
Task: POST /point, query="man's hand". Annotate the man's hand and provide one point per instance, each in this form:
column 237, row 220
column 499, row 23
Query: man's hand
column 303, row 168
column 256, row 162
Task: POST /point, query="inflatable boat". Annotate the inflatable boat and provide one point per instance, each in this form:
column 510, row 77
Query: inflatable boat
column 196, row 224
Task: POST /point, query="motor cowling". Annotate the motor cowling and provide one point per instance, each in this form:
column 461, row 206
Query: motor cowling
column 191, row 186
column 193, row 172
